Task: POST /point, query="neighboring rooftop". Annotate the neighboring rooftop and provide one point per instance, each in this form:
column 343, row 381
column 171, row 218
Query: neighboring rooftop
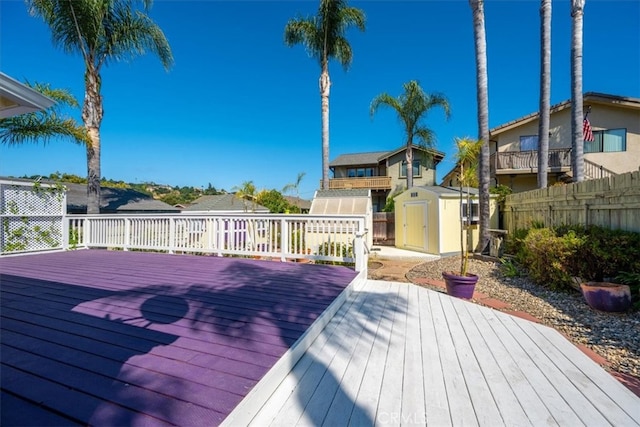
column 375, row 157
column 224, row 203
column 17, row 98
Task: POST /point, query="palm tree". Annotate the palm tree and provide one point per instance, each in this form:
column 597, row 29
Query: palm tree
column 412, row 106
column 295, row 188
column 101, row 32
column 467, row 151
column 323, row 35
column 577, row 137
column 545, row 92
column 477, row 7
column 44, row 125
column 247, row 192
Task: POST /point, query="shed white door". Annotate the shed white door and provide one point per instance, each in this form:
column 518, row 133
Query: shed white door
column 415, row 225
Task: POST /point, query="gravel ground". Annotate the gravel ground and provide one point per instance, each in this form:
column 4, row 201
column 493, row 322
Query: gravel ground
column 615, row 336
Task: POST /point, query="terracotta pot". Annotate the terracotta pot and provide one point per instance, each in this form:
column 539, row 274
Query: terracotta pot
column 460, row 286
column 605, row 296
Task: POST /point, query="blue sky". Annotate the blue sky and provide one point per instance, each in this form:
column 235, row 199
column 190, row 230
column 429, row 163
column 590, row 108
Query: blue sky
column 239, row 105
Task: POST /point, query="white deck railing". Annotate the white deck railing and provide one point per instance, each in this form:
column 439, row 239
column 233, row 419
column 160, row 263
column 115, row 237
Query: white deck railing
column 337, row 238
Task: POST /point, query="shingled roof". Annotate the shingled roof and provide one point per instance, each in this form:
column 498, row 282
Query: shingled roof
column 223, row 202
column 375, row 157
column 115, row 200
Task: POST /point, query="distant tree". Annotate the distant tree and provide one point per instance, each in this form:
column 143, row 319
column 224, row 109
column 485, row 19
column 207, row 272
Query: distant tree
column 247, row 193
column 577, row 135
column 101, row 32
column 274, row 200
column 482, row 96
column 294, row 188
column 323, row 35
column 43, row 126
column 545, row 92
column 211, row 190
column 412, row 107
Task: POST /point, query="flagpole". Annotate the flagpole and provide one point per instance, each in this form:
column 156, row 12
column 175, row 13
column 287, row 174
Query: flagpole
column 588, row 111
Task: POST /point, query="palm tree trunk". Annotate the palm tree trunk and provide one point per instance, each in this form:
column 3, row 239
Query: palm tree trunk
column 577, row 138
column 545, row 92
column 325, row 84
column 92, row 116
column 477, row 6
column 409, row 160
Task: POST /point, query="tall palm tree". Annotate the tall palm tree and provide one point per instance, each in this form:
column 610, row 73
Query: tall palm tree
column 545, row 92
column 577, row 137
column 412, row 106
column 43, row 126
column 101, row 32
column 482, row 88
column 323, row 35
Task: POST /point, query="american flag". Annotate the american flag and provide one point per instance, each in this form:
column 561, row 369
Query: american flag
column 587, row 132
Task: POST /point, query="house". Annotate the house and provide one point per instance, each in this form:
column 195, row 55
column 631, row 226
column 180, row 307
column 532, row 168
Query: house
column 302, row 204
column 383, row 172
column 115, row 201
column 17, row 98
column 615, row 121
column 224, row 203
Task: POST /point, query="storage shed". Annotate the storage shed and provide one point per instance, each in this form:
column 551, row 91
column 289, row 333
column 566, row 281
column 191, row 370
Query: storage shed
column 428, row 219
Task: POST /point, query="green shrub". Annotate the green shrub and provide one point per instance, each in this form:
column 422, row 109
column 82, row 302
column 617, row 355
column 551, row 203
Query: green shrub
column 335, row 249
column 549, row 257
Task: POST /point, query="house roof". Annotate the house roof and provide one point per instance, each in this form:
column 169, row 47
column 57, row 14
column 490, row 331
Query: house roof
column 223, row 202
column 375, row 157
column 114, row 200
column 588, row 97
column 297, row 201
column 17, row 98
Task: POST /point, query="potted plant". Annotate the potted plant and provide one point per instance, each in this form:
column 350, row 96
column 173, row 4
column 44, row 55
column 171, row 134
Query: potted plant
column 461, row 283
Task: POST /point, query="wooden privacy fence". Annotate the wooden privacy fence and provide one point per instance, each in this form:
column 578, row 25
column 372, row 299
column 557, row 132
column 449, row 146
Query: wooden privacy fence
column 384, row 228
column 612, row 202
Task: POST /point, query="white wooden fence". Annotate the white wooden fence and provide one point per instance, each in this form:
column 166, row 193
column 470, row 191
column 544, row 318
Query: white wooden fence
column 337, row 238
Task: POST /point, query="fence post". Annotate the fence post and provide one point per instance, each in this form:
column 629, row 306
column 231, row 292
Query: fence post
column 172, row 235
column 284, row 239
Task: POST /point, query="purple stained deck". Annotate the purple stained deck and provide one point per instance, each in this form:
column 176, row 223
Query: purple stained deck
column 130, row 338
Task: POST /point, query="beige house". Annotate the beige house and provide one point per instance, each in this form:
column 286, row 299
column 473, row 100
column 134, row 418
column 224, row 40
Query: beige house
column 383, row 172
column 427, row 219
column 615, row 122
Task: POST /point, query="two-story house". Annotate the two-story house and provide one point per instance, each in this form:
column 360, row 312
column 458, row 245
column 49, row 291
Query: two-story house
column 383, row 172
column 615, row 149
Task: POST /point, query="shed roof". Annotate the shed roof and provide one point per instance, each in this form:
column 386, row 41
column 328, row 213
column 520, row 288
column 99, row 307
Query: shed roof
column 341, row 202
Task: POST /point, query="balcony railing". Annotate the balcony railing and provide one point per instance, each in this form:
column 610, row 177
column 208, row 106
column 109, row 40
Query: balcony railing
column 513, row 161
column 371, row 182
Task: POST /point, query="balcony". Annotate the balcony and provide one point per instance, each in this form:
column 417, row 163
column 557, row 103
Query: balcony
column 517, row 162
column 370, row 182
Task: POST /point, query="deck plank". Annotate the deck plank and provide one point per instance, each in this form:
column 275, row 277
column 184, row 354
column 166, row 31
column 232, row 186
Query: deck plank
column 474, row 365
column 132, row 338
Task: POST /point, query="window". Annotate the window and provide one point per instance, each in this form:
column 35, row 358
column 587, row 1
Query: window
column 416, row 169
column 607, row 141
column 475, row 212
column 529, row 143
column 360, row 172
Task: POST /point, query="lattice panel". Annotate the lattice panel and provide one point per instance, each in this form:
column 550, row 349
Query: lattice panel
column 32, row 217
column 30, row 200
column 31, row 233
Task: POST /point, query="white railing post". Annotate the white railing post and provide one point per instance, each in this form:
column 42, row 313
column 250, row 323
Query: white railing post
column 172, row 234
column 127, row 233
column 359, row 251
column 284, row 239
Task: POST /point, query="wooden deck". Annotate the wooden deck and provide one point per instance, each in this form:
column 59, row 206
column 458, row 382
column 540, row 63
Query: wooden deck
column 112, row 338
column 398, row 354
